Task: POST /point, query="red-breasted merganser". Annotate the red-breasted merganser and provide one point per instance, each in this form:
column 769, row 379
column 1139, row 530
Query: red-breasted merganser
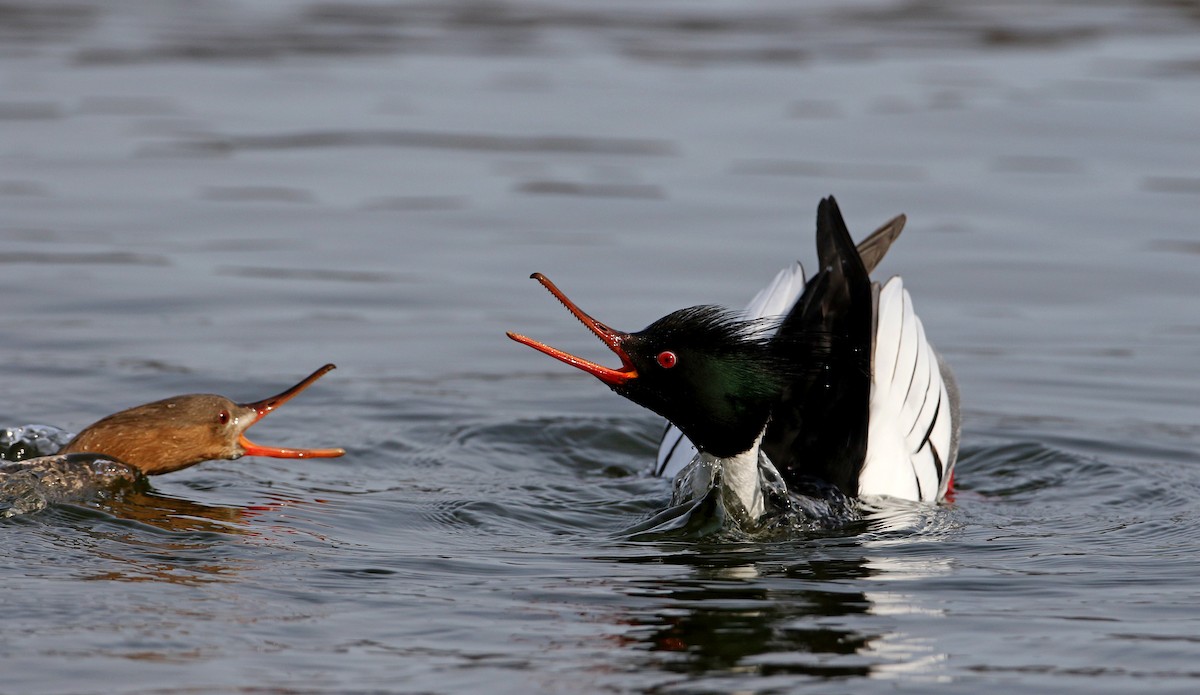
column 826, row 387
column 156, row 438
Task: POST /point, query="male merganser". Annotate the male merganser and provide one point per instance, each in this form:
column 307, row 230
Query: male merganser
column 162, row 437
column 822, row 389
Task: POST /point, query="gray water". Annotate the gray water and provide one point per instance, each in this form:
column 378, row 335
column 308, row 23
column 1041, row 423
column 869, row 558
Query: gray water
column 224, row 196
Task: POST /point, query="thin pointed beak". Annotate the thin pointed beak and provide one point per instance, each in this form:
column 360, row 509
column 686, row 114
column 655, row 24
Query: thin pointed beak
column 610, row 337
column 261, row 408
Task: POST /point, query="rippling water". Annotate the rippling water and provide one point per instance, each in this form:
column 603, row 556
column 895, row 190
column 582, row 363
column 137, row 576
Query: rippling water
column 221, row 197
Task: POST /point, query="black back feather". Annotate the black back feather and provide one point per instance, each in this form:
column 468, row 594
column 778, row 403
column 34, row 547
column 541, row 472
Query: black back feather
column 819, row 426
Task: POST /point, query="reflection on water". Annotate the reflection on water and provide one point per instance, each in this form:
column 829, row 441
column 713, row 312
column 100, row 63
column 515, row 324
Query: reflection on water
column 753, row 610
column 724, row 620
column 174, row 514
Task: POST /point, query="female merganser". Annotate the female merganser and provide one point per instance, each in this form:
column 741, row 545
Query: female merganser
column 821, row 391
column 156, row 438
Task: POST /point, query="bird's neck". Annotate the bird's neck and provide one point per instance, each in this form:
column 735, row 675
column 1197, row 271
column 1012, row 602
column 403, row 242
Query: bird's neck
column 740, row 477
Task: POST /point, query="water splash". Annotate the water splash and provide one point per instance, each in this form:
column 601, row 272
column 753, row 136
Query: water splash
column 32, row 485
column 29, row 441
column 717, row 511
column 32, row 477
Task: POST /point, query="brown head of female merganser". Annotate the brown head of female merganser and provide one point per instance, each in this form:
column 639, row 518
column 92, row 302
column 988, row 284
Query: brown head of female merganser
column 181, row 431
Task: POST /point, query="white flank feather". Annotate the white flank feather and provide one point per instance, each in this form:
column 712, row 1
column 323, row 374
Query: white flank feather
column 911, row 427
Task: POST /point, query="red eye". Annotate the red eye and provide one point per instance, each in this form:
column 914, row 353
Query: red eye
column 667, row 359
column 223, row 417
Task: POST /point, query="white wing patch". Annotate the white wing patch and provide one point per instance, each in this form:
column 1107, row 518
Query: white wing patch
column 675, row 452
column 773, row 301
column 911, row 431
column 777, row 299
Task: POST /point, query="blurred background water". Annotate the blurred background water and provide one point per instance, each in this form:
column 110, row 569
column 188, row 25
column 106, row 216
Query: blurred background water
column 221, row 196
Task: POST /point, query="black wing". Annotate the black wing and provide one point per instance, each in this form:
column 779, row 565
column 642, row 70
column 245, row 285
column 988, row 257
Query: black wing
column 819, row 428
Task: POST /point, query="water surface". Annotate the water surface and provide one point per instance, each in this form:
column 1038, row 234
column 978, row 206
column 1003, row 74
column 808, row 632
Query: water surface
column 224, row 197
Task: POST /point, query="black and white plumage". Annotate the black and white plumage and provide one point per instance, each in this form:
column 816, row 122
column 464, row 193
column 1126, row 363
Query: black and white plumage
column 824, row 388
column 912, row 411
